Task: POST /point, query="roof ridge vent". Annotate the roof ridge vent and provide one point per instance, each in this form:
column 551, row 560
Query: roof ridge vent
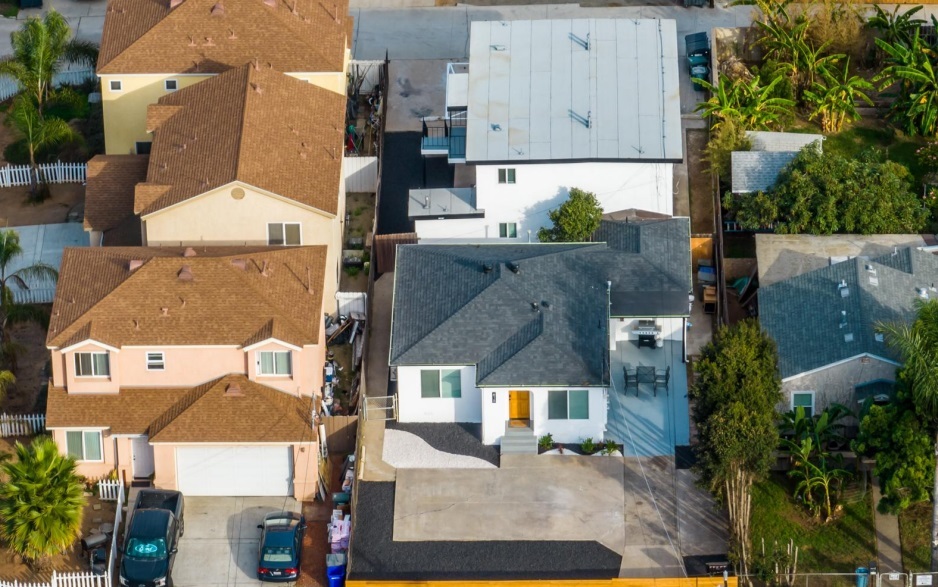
column 233, row 389
column 189, row 252
column 135, row 264
column 185, row 274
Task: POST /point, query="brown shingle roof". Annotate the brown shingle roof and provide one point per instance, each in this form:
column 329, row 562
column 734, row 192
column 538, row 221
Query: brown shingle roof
column 146, row 36
column 255, row 413
column 109, row 194
column 205, row 413
column 98, row 296
column 256, row 126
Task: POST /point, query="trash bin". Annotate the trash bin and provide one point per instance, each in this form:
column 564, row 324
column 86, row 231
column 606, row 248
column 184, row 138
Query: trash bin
column 863, row 576
column 335, row 569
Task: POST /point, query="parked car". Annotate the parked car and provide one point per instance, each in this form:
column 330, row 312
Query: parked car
column 152, row 539
column 697, row 46
column 281, row 546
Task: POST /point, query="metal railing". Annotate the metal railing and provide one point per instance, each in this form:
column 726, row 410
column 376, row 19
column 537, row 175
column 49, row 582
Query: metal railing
column 380, row 408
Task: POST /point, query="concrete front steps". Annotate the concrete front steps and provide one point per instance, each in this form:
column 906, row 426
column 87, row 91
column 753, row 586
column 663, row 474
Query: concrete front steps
column 518, row 440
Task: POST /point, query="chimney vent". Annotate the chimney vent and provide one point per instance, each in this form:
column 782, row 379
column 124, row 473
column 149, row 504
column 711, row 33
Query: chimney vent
column 189, row 252
column 185, row 274
column 239, row 264
column 233, row 390
column 135, row 264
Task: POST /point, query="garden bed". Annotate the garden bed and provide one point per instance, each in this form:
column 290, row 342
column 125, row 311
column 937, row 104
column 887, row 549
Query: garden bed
column 914, row 530
column 835, row 547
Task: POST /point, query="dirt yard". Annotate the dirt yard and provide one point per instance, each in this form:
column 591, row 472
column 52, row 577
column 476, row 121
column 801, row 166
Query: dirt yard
column 23, row 397
column 11, row 567
column 15, row 211
column 701, row 195
column 361, row 215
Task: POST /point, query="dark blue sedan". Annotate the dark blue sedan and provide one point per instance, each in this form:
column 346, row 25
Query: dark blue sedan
column 281, row 546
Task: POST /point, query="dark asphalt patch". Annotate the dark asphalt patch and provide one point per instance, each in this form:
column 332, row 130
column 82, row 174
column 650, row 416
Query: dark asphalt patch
column 404, row 169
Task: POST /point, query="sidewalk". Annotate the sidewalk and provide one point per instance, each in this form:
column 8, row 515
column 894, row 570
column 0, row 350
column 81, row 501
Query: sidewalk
column 888, row 548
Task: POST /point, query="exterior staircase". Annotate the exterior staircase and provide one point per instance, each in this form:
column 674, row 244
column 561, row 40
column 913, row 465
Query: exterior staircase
column 518, row 439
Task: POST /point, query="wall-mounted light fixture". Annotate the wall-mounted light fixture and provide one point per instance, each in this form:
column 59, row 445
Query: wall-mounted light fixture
column 493, row 397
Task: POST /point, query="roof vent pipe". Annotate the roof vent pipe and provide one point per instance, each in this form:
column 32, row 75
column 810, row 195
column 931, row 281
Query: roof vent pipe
column 513, row 267
column 185, row 274
column 487, row 268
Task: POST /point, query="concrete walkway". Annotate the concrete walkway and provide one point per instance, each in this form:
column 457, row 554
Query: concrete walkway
column 376, row 380
column 888, row 546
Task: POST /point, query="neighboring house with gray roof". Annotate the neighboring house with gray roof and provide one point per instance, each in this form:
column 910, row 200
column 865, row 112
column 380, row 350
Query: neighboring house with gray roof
column 494, row 333
column 758, row 169
column 824, row 322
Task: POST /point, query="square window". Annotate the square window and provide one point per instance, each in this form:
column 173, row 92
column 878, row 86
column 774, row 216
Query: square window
column 171, row 85
column 274, row 363
column 284, row 233
column 156, row 361
column 84, row 445
column 506, row 175
column 116, row 85
column 440, row 383
column 508, row 230
column 92, row 365
column 573, row 404
column 805, row 400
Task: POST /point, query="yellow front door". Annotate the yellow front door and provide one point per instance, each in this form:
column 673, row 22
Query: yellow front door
column 519, row 405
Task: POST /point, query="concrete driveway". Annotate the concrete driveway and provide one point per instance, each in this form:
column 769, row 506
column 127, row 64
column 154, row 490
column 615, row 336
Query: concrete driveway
column 219, row 548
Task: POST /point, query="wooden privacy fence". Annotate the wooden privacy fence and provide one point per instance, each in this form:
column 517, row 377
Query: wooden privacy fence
column 58, row 172
column 340, row 433
column 9, row 87
column 385, row 249
column 22, row 424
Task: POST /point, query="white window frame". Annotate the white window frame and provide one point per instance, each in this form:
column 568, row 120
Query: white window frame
column 510, row 175
column 93, row 374
column 791, row 401
column 260, row 362
column 175, row 83
column 120, row 85
column 84, row 444
column 154, row 363
column 507, row 225
column 283, row 230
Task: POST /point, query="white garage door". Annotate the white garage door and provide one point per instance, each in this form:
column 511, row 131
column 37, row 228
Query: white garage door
column 235, row 470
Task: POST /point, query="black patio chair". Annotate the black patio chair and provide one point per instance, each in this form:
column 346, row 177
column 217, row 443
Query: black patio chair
column 662, row 379
column 631, row 379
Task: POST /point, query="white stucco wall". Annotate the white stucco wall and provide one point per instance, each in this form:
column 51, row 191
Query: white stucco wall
column 494, row 416
column 413, row 408
column 539, row 188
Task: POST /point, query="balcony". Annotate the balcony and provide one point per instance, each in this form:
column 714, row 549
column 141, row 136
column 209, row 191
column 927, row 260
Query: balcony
column 445, row 136
column 443, row 203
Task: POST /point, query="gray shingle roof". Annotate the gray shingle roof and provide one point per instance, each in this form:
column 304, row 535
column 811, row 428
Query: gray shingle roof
column 781, row 141
column 756, row 171
column 804, row 314
column 449, row 310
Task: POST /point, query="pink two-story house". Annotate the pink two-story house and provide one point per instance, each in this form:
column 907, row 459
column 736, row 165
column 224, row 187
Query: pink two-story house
column 197, row 367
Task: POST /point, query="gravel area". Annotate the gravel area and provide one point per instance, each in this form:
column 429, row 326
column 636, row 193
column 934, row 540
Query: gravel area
column 454, row 438
column 375, row 556
column 404, row 450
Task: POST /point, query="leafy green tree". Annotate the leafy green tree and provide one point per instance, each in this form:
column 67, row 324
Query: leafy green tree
column 917, row 343
column 575, row 220
column 725, row 139
column 39, row 133
column 735, row 392
column 42, row 501
column 897, row 437
column 911, row 71
column 825, row 193
column 12, row 312
column 749, row 104
column 835, row 99
column 818, row 477
column 41, row 47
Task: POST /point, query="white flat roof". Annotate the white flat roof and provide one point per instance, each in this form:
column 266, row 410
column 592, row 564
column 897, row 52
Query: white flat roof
column 580, row 90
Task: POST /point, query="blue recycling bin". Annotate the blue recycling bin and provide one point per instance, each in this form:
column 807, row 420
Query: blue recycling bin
column 335, row 569
column 863, row 576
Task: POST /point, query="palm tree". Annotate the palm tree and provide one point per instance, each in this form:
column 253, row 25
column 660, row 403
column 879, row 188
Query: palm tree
column 917, row 343
column 895, row 28
column 39, row 133
column 42, row 502
column 40, row 48
column 912, row 71
column 10, row 311
column 748, row 104
column 835, row 99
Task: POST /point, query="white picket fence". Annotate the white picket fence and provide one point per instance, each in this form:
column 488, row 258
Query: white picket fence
column 110, row 490
column 22, row 425
column 58, row 172
column 66, row 580
column 9, row 87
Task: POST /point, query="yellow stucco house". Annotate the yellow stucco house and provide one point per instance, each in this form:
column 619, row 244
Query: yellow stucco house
column 151, row 48
column 248, row 157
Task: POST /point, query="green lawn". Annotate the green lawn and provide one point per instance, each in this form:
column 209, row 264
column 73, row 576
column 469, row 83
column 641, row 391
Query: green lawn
column 914, row 528
column 838, row 547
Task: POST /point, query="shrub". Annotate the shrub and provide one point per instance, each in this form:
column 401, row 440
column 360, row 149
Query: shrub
column 546, row 442
column 588, row 446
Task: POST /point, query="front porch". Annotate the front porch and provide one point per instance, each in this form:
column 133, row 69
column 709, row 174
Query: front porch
column 648, row 422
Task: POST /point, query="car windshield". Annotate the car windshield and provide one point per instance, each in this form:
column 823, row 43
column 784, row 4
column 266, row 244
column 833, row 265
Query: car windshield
column 277, row 554
column 146, row 548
